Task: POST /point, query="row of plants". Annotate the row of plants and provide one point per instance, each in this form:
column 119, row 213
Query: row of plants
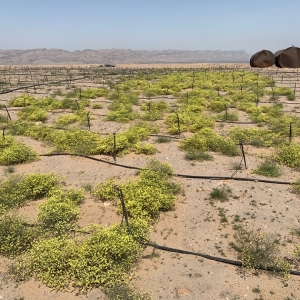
column 80, row 141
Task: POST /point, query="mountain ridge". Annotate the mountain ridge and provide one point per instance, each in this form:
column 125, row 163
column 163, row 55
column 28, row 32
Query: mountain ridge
column 43, row 56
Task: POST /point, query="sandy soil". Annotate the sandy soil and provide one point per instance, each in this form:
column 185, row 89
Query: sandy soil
column 194, row 225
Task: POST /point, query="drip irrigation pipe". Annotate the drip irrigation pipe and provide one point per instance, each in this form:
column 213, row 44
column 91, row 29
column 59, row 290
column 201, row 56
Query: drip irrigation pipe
column 176, row 175
column 234, row 122
column 40, row 84
column 215, row 258
column 175, row 250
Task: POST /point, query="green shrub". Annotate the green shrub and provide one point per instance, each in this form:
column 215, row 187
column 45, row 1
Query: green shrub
column 21, row 101
column 33, row 114
column 125, row 292
column 268, row 169
column 254, row 136
column 155, row 110
column 283, row 91
column 92, row 93
column 14, row 152
column 17, row 189
column 198, row 155
column 67, row 119
column 145, row 198
column 102, row 259
column 105, row 191
column 75, row 141
column 227, row 117
column 220, row 194
column 58, row 215
column 38, row 185
column 121, row 116
column 163, row 139
column 97, row 106
column 288, row 154
column 208, row 140
column 219, row 104
column 189, row 122
column 16, row 238
column 49, row 260
column 165, row 170
column 258, row 249
column 127, row 140
column 144, row 148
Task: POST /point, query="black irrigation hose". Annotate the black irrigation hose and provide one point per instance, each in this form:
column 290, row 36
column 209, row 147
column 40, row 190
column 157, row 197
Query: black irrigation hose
column 175, row 250
column 215, row 258
column 92, row 158
column 166, row 136
column 40, row 84
column 234, row 122
column 176, row 175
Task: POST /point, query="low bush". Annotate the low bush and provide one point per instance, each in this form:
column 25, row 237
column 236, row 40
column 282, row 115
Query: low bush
column 163, row 139
column 33, row 114
column 208, row 140
column 258, row 249
column 14, row 152
column 58, row 215
column 254, row 136
column 16, row 238
column 21, row 101
column 198, row 155
column 288, row 154
column 268, row 169
column 144, row 148
column 17, row 189
column 104, row 258
column 220, row 194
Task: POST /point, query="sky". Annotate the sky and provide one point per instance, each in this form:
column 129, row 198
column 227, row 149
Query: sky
column 71, row 25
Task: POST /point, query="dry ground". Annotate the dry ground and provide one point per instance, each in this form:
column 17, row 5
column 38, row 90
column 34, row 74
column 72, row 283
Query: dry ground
column 194, row 225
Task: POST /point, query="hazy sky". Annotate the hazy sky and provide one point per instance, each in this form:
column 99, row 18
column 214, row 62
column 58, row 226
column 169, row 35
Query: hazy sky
column 251, row 25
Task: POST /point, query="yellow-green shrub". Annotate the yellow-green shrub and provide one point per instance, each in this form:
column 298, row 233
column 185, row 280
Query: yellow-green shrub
column 15, row 237
column 288, row 154
column 208, row 140
column 14, row 152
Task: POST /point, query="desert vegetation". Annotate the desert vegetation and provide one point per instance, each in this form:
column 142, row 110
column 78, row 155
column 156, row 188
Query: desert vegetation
column 103, row 167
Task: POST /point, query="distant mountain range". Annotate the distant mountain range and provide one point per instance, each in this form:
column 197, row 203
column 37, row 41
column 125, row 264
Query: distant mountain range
column 117, row 56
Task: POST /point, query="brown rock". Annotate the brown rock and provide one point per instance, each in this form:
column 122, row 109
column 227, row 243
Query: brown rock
column 182, row 292
column 262, row 59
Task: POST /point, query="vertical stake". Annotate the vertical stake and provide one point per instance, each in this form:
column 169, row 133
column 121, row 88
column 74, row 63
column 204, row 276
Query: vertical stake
column 178, row 124
column 114, row 150
column 3, row 133
column 88, row 120
column 125, row 214
column 7, row 112
column 226, row 115
column 243, row 153
column 273, row 95
column 291, row 132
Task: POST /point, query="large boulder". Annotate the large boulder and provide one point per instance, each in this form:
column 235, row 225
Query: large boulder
column 262, row 59
column 276, row 54
column 288, row 58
